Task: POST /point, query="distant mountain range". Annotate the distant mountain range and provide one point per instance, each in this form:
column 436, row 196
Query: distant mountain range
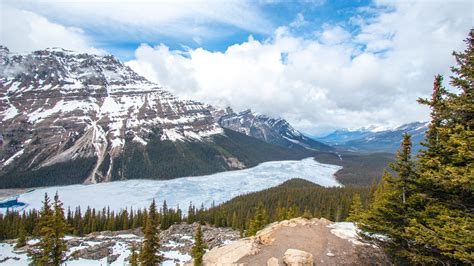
column 378, row 141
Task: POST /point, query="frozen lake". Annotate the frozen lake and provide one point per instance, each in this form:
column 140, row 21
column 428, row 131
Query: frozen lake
column 206, row 189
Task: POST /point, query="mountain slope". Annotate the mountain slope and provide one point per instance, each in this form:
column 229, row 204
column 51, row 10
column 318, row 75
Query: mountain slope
column 380, row 141
column 271, row 130
column 70, row 117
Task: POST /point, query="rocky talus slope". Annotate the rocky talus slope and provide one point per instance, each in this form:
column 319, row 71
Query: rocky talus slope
column 299, row 242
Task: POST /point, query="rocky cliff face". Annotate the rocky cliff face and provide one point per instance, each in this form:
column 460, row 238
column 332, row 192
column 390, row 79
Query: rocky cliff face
column 271, row 130
column 64, row 110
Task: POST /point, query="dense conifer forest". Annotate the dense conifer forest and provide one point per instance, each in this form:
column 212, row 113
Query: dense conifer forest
column 291, row 199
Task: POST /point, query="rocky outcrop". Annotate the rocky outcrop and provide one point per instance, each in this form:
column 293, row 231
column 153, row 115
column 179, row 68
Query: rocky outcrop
column 299, row 242
column 95, row 252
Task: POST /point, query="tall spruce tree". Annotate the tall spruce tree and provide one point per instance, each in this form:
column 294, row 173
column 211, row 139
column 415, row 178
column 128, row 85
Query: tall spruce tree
column 151, row 241
column 52, row 226
column 41, row 254
column 443, row 230
column 425, row 215
column 356, row 209
column 199, row 247
column 133, row 256
column 60, row 228
column 259, row 220
column 21, row 241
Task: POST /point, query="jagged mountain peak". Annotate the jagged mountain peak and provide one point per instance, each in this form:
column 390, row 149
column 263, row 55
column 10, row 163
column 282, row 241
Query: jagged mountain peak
column 272, row 130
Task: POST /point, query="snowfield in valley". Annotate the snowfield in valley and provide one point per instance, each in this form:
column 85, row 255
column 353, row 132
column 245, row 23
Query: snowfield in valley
column 199, row 190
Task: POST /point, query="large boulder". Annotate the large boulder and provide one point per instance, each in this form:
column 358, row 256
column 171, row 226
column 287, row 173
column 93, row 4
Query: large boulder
column 295, row 257
column 230, row 254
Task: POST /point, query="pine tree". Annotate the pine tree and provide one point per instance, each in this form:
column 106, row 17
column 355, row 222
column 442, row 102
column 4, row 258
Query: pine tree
column 307, row 214
column 356, row 209
column 133, row 255
column 199, row 247
column 259, row 220
column 41, row 254
column 21, row 241
column 386, row 216
column 281, row 213
column 151, row 242
column 60, row 228
column 445, row 205
column 426, row 214
column 292, row 212
column 235, row 221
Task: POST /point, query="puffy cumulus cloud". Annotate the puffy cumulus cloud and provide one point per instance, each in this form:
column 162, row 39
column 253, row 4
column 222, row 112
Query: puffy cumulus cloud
column 151, row 20
column 336, row 79
column 24, row 31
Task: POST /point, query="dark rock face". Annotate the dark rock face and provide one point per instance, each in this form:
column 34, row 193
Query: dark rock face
column 59, row 106
column 271, row 130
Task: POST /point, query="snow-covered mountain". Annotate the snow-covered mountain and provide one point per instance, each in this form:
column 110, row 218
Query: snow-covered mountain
column 272, row 130
column 69, row 117
column 384, row 140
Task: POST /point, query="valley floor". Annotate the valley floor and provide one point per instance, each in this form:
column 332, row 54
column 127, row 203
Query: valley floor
column 207, row 190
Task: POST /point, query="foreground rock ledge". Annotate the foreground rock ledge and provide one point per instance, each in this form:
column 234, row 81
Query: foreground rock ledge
column 298, row 242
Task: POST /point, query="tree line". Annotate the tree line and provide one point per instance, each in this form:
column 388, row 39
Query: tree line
column 291, row 199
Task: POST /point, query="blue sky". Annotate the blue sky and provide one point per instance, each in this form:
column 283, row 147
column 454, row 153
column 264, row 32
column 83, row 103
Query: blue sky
column 319, row 64
column 276, row 14
column 213, row 34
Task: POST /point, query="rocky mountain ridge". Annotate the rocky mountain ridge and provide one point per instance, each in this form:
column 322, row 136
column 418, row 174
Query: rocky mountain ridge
column 69, row 117
column 272, row 130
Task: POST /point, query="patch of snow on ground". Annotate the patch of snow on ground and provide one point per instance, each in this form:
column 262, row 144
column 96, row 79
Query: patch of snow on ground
column 17, row 154
column 6, row 250
column 173, row 256
column 206, row 189
column 10, row 113
column 345, row 230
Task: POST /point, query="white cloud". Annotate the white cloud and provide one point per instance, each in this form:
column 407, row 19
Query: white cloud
column 150, row 20
column 338, row 79
column 26, row 31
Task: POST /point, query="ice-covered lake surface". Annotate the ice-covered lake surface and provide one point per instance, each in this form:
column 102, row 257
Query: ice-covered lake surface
column 199, row 190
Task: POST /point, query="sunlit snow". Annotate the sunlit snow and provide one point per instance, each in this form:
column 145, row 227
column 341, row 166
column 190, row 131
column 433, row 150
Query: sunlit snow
column 215, row 188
